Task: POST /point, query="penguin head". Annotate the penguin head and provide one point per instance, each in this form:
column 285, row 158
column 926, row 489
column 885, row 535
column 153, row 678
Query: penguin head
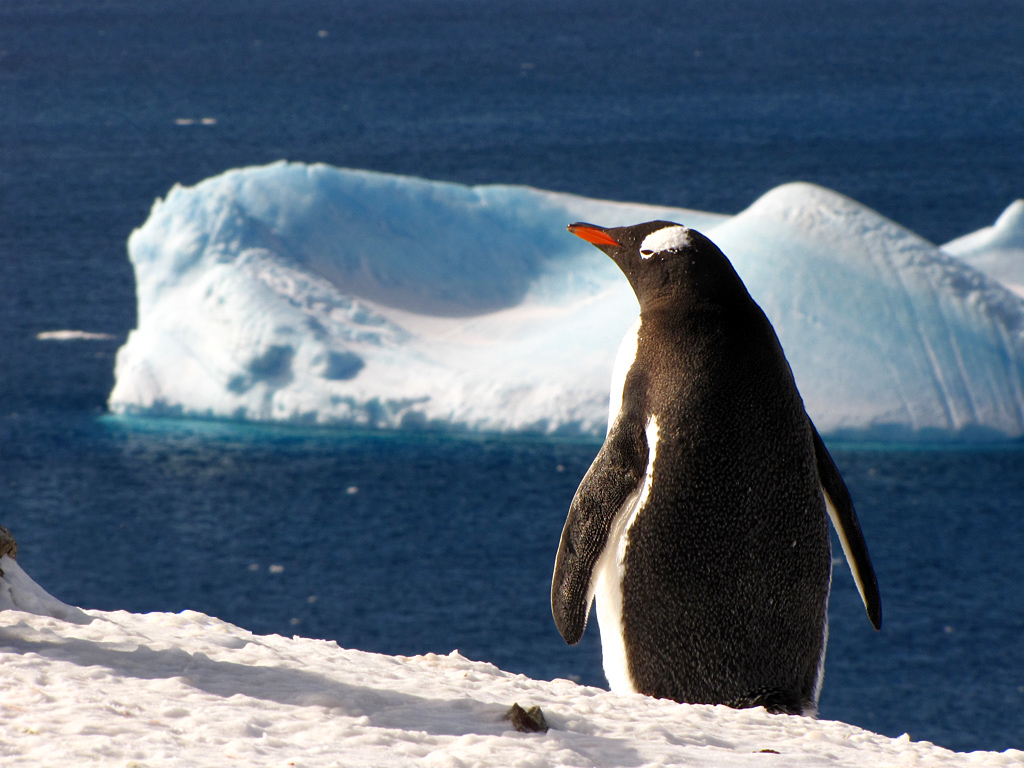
column 665, row 261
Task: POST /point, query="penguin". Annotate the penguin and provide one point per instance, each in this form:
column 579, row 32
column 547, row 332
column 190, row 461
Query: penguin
column 700, row 528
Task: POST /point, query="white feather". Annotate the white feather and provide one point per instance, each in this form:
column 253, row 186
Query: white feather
column 665, row 239
column 819, row 675
column 610, row 570
column 845, row 544
column 624, row 360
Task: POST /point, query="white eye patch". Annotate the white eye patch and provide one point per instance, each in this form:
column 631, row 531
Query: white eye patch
column 665, row 239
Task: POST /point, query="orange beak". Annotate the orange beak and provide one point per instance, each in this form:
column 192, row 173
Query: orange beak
column 593, row 234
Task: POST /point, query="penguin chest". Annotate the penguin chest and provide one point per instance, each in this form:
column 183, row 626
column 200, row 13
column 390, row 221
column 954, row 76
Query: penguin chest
column 609, row 575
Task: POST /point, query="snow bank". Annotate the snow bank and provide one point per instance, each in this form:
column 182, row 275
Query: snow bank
column 190, row 690
column 319, row 295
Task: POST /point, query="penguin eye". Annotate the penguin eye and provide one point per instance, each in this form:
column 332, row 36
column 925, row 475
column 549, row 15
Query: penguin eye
column 646, row 253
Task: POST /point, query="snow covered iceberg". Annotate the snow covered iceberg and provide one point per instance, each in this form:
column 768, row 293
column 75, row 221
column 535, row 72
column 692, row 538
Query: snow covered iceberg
column 117, row 688
column 998, row 251
column 313, row 294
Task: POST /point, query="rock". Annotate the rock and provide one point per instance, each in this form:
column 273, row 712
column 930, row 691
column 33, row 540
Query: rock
column 8, row 546
column 527, row 720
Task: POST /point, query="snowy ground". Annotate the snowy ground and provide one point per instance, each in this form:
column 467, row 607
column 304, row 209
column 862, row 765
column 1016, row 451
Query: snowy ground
column 89, row 687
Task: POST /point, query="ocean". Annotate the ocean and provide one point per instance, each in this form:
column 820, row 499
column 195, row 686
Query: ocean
column 409, row 543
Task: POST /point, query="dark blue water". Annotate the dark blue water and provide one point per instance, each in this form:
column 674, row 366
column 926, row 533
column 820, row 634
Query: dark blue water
column 913, row 108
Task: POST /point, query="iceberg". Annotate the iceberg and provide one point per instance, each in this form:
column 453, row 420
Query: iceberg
column 319, row 295
column 189, row 689
column 998, row 251
column 885, row 332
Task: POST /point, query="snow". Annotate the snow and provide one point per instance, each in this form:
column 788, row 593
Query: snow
column 116, row 688
column 319, row 295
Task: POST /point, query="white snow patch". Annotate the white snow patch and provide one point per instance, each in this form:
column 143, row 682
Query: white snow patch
column 190, row 690
column 19, row 593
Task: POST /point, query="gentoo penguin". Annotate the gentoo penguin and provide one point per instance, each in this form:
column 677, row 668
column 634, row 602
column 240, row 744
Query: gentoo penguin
column 700, row 529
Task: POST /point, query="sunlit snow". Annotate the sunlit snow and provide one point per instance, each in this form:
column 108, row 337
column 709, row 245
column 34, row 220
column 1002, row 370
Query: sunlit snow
column 116, row 688
column 313, row 294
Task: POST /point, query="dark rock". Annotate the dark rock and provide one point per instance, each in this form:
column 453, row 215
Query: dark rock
column 527, row 720
column 8, row 546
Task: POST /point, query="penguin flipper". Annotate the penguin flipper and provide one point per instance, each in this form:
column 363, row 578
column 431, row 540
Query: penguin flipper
column 844, row 519
column 615, row 474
